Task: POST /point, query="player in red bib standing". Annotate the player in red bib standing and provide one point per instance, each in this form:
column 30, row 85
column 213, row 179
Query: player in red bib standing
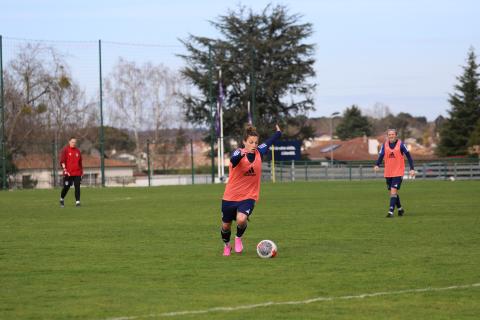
column 392, row 153
column 243, row 186
column 71, row 162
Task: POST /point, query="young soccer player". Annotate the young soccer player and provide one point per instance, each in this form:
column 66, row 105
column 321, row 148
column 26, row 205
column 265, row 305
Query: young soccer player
column 243, row 186
column 393, row 152
column 71, row 162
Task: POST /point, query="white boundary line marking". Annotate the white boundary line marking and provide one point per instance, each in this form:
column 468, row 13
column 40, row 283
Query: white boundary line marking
column 281, row 303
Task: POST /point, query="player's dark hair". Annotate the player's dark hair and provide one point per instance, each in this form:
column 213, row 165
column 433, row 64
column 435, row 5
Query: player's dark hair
column 250, row 131
column 392, row 129
column 72, row 137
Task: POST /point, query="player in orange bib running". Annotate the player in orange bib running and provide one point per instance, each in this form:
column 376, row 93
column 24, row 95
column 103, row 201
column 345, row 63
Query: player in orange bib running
column 243, row 186
column 392, row 153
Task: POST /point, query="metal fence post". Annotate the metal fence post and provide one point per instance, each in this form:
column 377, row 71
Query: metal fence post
column 306, row 171
column 424, row 170
column 281, row 171
column 350, row 172
column 102, row 147
column 54, row 163
column 148, row 163
column 2, row 122
column 292, row 171
column 193, row 165
column 361, row 172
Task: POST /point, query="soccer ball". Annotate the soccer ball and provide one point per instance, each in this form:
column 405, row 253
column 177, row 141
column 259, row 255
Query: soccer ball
column 266, row 249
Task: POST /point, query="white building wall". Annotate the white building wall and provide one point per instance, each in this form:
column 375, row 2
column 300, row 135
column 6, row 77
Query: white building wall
column 373, row 146
column 116, row 176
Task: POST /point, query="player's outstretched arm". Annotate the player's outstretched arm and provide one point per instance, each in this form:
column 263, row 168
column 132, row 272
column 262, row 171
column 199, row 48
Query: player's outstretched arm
column 264, row 147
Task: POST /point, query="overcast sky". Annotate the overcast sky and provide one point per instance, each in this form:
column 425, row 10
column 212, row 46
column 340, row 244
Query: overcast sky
column 404, row 54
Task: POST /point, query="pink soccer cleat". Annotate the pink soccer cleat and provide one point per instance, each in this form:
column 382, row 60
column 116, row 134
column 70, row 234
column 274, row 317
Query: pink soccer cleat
column 227, row 250
column 238, row 245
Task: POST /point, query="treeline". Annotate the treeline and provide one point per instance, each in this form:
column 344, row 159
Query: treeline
column 456, row 135
column 44, row 104
column 266, row 62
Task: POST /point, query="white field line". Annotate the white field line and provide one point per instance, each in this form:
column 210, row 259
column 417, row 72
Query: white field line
column 281, row 303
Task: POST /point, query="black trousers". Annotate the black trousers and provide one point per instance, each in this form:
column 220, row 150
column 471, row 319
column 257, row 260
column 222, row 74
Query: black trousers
column 68, row 181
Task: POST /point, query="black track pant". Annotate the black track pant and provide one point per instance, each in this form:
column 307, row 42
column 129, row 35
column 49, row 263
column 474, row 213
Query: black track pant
column 68, row 181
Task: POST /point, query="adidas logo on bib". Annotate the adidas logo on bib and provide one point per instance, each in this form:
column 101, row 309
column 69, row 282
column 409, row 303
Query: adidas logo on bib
column 250, row 172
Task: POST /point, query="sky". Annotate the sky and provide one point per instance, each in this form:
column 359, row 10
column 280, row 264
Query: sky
column 403, row 54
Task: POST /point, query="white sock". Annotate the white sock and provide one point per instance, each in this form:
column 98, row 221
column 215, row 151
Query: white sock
column 77, row 201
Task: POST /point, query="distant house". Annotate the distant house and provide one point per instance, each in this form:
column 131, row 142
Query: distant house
column 361, row 148
column 37, row 171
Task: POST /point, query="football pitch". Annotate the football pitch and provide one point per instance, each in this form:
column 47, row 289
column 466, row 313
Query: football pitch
column 156, row 253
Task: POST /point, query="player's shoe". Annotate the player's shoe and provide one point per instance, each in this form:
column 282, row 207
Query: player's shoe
column 77, row 204
column 238, row 245
column 62, row 203
column 389, row 215
column 227, row 250
column 401, row 212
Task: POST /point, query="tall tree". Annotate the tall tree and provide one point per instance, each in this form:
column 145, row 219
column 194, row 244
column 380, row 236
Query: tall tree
column 474, row 140
column 27, row 83
column 465, row 111
column 116, row 140
column 263, row 52
column 125, row 93
column 353, row 124
column 400, row 122
column 141, row 97
column 42, row 100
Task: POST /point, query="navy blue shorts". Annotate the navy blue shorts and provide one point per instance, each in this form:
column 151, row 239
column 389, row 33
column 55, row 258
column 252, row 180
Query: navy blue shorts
column 230, row 209
column 394, row 182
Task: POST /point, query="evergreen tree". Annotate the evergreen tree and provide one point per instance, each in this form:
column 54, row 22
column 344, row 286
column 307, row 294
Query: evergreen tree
column 353, row 124
column 474, row 140
column 465, row 112
column 400, row 122
column 117, row 139
column 261, row 52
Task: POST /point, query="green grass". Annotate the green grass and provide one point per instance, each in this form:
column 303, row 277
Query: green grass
column 135, row 252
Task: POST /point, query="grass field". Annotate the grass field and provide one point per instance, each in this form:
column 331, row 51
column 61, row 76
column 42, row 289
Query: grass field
column 139, row 253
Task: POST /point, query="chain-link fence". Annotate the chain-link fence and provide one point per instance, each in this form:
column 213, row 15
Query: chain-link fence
column 111, row 96
column 312, row 171
column 121, row 102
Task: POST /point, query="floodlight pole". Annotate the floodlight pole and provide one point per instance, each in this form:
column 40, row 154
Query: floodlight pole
column 252, row 85
column 210, row 100
column 331, row 136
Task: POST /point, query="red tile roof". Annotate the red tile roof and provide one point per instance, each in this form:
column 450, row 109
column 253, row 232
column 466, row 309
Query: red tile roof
column 354, row 149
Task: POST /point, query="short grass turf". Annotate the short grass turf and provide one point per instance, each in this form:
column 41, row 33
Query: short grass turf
column 137, row 253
